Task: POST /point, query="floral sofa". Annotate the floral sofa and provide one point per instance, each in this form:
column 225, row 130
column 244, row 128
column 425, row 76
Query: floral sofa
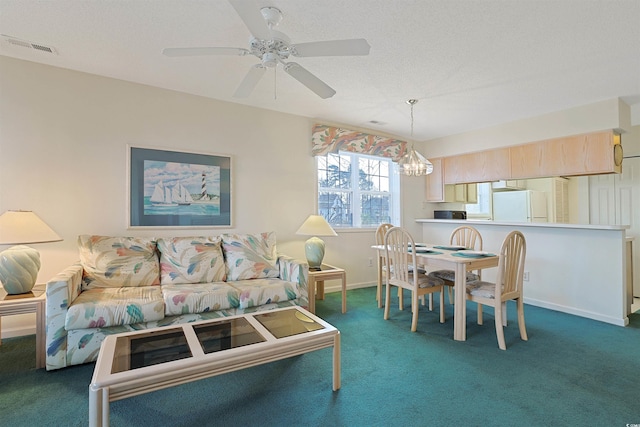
column 125, row 284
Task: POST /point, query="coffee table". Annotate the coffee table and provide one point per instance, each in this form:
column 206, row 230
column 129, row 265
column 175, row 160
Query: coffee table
column 139, row 362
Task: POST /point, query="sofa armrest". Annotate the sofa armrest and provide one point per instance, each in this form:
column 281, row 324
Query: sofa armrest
column 296, row 271
column 62, row 289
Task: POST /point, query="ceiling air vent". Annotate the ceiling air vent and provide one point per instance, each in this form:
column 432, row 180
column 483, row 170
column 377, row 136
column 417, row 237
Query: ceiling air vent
column 15, row 42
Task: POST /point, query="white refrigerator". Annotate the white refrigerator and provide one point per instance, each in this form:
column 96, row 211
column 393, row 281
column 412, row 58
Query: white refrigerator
column 520, row 206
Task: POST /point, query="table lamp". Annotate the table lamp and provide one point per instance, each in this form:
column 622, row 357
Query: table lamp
column 315, row 226
column 19, row 265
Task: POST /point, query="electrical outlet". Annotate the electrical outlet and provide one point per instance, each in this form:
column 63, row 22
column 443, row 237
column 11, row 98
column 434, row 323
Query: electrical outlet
column 370, row 262
column 525, row 276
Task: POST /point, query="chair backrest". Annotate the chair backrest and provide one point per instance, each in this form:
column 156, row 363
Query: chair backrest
column 397, row 241
column 466, row 236
column 511, row 265
column 381, row 231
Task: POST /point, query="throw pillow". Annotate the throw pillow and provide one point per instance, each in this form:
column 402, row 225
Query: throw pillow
column 250, row 256
column 115, row 262
column 191, row 260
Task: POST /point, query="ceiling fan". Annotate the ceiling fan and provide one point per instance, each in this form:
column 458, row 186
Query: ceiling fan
column 273, row 47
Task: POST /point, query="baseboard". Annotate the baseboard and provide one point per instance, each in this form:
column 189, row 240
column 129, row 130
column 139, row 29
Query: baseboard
column 337, row 287
column 577, row 312
column 18, row 332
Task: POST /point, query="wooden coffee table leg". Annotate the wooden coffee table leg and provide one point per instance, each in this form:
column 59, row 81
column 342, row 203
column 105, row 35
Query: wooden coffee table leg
column 98, row 407
column 336, row 362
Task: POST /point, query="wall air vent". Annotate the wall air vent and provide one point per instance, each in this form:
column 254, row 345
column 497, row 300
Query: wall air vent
column 9, row 41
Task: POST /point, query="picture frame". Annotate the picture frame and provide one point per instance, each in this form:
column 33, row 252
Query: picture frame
column 178, row 189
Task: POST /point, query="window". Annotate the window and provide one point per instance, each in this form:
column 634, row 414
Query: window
column 482, row 209
column 357, row 191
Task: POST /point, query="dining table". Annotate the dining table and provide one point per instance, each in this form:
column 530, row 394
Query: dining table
column 456, row 258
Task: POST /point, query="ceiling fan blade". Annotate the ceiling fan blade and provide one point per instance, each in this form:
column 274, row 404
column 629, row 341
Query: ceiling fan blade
column 250, row 81
column 316, row 85
column 332, row 48
column 196, row 51
column 249, row 12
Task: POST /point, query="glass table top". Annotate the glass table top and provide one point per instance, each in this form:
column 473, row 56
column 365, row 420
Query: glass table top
column 138, row 350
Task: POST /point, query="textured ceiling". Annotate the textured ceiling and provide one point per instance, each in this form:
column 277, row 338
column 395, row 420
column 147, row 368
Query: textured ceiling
column 471, row 63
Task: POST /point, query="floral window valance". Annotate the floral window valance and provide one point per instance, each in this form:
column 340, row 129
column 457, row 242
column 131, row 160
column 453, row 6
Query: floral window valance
column 327, row 139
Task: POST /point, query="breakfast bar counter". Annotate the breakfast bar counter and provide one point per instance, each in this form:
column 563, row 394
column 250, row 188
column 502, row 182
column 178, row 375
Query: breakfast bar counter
column 573, row 268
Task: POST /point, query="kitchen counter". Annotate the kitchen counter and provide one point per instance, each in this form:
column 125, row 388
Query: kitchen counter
column 578, row 269
column 474, row 222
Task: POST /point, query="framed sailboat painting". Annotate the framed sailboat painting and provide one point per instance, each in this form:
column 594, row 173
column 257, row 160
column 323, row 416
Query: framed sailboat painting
column 178, row 189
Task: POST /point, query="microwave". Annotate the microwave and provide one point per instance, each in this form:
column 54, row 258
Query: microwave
column 450, row 214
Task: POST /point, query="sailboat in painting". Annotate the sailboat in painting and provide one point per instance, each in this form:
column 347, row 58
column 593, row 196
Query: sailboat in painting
column 181, row 195
column 162, row 195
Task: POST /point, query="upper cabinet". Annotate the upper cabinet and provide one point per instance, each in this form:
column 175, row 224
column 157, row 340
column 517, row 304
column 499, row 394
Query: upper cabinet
column 437, row 191
column 509, row 184
column 435, row 183
column 483, row 166
column 588, row 154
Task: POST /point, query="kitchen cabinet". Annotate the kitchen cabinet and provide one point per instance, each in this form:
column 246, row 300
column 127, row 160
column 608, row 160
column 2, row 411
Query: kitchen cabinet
column 509, row 184
column 461, row 193
column 482, row 166
column 437, row 191
column 434, row 182
column 588, row 154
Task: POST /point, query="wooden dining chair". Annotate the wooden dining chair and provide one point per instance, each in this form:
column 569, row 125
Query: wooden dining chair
column 400, row 273
column 380, row 232
column 510, row 277
column 470, row 238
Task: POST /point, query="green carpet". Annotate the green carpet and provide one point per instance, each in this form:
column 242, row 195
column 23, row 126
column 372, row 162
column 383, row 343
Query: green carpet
column 572, row 372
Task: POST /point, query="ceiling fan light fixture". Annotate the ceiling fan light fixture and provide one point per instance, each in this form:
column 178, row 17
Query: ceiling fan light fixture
column 270, row 60
column 414, row 163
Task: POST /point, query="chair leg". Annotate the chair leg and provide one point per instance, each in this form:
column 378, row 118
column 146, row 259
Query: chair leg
column 521, row 325
column 400, row 298
column 414, row 305
column 387, row 301
column 422, row 300
column 452, row 300
column 431, row 302
column 441, row 305
column 499, row 328
column 480, row 322
column 503, row 307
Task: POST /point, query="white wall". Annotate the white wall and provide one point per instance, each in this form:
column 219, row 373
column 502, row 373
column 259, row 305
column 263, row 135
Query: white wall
column 63, row 145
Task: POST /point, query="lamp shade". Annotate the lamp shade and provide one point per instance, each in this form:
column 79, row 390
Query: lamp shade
column 19, row 265
column 315, row 225
column 20, row 227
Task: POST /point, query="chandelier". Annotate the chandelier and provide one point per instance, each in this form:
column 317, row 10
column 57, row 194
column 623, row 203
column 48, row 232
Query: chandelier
column 414, row 163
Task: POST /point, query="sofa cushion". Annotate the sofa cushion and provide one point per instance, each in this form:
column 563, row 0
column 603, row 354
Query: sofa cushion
column 198, row 298
column 257, row 292
column 115, row 262
column 103, row 307
column 250, row 256
column 191, row 260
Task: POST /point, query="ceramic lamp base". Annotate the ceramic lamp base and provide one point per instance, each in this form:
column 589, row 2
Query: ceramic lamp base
column 314, row 251
column 19, row 266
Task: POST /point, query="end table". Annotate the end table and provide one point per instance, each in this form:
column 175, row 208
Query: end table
column 316, row 284
column 30, row 302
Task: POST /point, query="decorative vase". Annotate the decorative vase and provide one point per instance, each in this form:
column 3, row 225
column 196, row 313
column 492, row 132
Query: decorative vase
column 19, row 266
